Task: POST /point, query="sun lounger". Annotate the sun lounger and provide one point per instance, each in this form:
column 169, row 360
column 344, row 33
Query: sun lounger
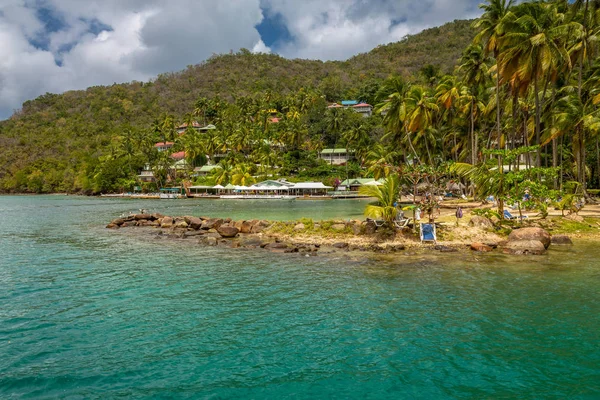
column 508, row 215
column 428, row 233
column 377, row 222
column 402, row 223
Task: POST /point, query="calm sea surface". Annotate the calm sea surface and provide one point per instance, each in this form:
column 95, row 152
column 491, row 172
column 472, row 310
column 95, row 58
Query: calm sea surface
column 90, row 313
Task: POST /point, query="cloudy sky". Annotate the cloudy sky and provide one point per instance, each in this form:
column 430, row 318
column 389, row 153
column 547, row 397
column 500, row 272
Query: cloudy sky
column 58, row 45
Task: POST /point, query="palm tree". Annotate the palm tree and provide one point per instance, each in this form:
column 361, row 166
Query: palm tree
column 222, row 175
column 334, row 122
column 476, row 74
column 387, row 196
column 242, row 175
column 489, row 24
column 533, row 49
column 380, row 161
column 420, row 110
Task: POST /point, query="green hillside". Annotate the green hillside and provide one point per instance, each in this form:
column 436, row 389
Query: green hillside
column 59, row 138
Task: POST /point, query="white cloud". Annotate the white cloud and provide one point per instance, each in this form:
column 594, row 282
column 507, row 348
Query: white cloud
column 147, row 37
column 339, row 29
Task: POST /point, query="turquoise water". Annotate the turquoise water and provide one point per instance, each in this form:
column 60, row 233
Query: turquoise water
column 87, row 312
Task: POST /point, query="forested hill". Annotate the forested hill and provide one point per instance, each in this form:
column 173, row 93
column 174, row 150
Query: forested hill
column 63, row 134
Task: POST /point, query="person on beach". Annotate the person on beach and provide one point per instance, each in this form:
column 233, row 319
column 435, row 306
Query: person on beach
column 459, row 214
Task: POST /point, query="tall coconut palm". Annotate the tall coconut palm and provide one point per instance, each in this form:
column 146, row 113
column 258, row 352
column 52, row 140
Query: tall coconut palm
column 380, row 161
column 533, row 50
column 476, row 74
column 242, row 175
column 420, row 110
column 489, row 25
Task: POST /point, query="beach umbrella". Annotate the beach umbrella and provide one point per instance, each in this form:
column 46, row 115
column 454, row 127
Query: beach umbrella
column 218, row 187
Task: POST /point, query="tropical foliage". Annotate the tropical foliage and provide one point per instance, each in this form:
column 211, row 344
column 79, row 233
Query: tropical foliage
column 516, row 90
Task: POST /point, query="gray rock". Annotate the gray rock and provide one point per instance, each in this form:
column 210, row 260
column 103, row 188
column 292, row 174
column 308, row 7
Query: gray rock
column 212, row 223
column 538, row 234
column 194, row 222
column 276, row 245
column 370, row 228
column 253, row 242
column 209, row 241
column 561, row 240
column 228, row 231
column 193, row 233
column 340, row 245
column 246, row 226
column 519, row 247
column 481, row 222
column 166, row 222
column 484, row 248
column 299, row 227
column 181, row 224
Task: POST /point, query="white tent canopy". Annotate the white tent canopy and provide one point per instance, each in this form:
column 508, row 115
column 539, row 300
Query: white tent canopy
column 311, row 185
column 218, row 187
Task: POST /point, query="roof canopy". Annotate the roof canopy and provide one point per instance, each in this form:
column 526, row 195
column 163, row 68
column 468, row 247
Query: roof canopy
column 311, row 185
column 334, row 151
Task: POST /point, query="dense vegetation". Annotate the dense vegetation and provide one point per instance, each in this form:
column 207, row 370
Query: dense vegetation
column 70, row 142
column 518, row 113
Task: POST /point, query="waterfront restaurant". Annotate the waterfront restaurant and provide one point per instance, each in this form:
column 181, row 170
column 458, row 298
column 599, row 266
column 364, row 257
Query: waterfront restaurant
column 306, row 189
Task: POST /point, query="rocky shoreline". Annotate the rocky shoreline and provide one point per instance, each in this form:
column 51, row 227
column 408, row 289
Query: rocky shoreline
column 334, row 236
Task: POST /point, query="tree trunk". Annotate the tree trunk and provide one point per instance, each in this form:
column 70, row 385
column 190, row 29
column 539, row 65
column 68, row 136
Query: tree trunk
column 537, row 122
column 473, row 140
column 555, row 159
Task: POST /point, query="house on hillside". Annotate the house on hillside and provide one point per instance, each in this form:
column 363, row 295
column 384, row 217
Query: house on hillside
column 205, row 170
column 354, row 184
column 146, row 175
column 197, row 127
column 336, row 156
column 366, row 110
column 163, row 146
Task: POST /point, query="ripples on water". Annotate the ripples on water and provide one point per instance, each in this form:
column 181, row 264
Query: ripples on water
column 91, row 313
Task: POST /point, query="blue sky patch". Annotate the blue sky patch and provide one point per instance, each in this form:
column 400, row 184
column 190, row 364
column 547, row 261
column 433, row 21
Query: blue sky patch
column 96, row 26
column 273, row 30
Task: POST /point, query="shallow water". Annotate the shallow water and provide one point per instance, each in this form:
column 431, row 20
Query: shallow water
column 87, row 312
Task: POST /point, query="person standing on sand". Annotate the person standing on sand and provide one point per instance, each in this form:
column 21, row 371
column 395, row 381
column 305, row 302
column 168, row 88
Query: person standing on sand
column 459, row 214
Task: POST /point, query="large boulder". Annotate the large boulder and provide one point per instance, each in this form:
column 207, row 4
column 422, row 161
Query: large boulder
column 180, row 224
column 194, row 222
column 166, row 222
column 259, row 226
column 561, row 240
column 142, row 216
column 538, row 234
column 247, row 226
column 519, row 247
column 484, row 248
column 212, row 223
column 481, row 222
column 228, row 231
column 370, row 227
column 118, row 221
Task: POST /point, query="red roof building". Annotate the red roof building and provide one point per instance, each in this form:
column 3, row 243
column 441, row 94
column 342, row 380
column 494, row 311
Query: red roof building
column 178, row 156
